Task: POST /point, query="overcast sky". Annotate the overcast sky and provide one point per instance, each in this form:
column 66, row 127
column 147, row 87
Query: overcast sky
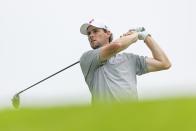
column 40, row 37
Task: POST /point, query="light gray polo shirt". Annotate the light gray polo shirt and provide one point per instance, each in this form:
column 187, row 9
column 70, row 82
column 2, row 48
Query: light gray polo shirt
column 115, row 79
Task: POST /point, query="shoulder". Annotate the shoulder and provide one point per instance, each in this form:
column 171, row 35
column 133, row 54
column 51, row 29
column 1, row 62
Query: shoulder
column 89, row 57
column 90, row 53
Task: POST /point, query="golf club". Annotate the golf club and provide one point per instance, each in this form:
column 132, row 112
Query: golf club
column 138, row 29
column 16, row 98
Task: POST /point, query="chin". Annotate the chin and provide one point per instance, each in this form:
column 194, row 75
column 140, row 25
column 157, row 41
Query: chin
column 96, row 47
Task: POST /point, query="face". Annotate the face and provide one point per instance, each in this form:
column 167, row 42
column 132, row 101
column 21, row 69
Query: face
column 97, row 37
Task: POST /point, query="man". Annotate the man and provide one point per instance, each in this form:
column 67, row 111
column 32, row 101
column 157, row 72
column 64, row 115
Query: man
column 109, row 75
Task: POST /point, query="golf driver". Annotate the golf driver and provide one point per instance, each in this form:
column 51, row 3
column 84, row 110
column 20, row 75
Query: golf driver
column 16, row 98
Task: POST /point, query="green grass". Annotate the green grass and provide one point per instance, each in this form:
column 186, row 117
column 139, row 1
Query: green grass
column 159, row 115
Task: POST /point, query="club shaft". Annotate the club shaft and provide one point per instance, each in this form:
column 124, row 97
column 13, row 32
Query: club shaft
column 48, row 77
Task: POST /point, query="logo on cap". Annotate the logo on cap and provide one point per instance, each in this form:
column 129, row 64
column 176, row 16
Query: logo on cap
column 91, row 21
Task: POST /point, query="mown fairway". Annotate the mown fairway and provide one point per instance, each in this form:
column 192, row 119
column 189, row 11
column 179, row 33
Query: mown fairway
column 159, row 115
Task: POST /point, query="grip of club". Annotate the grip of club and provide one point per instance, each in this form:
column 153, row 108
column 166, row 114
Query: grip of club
column 138, row 29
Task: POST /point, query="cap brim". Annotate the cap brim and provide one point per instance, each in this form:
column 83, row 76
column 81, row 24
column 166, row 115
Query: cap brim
column 83, row 28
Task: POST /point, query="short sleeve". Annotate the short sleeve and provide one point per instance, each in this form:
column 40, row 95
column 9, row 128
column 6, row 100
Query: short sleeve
column 89, row 62
column 139, row 62
column 141, row 66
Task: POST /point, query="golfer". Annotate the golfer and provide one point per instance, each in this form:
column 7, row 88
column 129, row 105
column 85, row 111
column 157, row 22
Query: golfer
column 111, row 75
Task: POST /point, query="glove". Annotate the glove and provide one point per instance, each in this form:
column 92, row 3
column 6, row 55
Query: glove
column 142, row 34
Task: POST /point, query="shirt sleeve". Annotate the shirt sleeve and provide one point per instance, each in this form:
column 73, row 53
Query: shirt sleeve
column 89, row 62
column 141, row 66
column 139, row 62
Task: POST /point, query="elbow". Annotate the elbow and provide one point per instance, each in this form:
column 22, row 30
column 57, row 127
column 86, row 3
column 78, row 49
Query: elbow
column 109, row 50
column 115, row 47
column 166, row 65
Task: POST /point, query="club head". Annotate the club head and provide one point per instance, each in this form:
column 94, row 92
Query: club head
column 16, row 101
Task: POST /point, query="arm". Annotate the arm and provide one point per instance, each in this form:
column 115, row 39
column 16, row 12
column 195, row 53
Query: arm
column 159, row 61
column 118, row 45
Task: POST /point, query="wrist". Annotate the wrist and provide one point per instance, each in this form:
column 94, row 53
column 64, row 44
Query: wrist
column 148, row 38
column 143, row 35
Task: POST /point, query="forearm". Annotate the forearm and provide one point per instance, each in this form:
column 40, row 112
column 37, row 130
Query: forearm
column 126, row 41
column 118, row 45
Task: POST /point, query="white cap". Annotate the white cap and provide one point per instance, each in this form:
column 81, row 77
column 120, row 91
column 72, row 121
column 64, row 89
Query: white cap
column 95, row 23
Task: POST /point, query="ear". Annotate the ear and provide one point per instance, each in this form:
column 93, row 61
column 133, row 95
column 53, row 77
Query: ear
column 108, row 33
